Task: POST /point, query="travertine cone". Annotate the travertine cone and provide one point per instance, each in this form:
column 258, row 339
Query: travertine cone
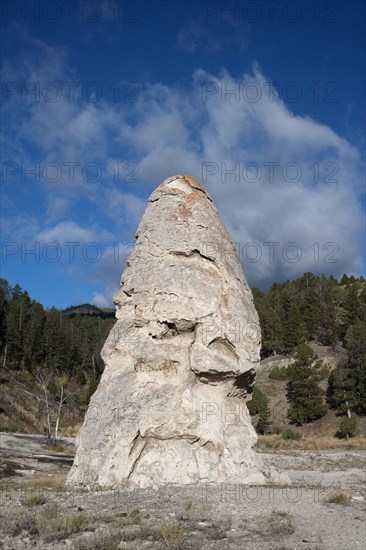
column 180, row 360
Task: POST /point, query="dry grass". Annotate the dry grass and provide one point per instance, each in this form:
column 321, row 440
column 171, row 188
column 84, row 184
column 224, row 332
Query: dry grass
column 37, row 485
column 277, row 524
column 69, row 451
column 307, row 443
column 196, row 510
column 55, row 483
column 172, row 535
column 49, row 524
column 338, row 497
column 56, row 448
column 136, row 517
column 72, row 430
column 100, row 541
column 34, row 500
column 27, row 415
column 60, row 449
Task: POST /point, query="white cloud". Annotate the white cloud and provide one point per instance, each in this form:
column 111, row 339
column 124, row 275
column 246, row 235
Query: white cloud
column 132, row 205
column 100, row 300
column 179, row 129
column 69, row 231
column 320, row 212
column 108, row 272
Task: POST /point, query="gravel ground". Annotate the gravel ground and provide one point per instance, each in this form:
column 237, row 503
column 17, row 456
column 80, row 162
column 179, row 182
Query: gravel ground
column 324, row 508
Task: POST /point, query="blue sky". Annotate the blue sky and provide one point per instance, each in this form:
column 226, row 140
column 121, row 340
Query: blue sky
column 102, row 100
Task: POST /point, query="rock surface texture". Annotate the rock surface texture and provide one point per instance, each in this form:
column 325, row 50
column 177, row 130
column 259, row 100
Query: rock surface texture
column 180, row 361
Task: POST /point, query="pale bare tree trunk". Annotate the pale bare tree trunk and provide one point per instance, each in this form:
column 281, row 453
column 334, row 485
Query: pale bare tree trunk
column 61, row 380
column 5, row 354
column 48, row 412
column 59, row 412
column 43, row 383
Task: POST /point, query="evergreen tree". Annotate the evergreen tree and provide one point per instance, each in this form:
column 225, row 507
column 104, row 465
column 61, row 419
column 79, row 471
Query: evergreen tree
column 17, row 318
column 306, row 308
column 356, row 346
column 33, row 340
column 304, row 394
column 347, row 428
column 341, row 394
column 4, row 305
column 310, row 304
column 259, row 405
column 327, row 329
column 54, row 341
column 293, row 331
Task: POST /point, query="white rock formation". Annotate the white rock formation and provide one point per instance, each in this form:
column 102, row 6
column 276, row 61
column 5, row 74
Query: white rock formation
column 180, row 360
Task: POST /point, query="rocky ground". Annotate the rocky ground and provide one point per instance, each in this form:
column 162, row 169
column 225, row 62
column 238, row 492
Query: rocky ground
column 324, row 508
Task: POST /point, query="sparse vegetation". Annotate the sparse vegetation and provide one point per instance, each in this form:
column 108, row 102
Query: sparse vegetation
column 338, row 497
column 187, row 505
column 347, row 428
column 309, row 443
column 51, row 525
column 258, row 405
column 289, row 433
column 57, row 448
column 278, row 524
column 100, row 541
column 172, row 535
column 101, row 525
column 7, row 470
column 23, row 522
column 35, row 500
column 217, row 533
column 279, row 373
column 136, row 518
column 196, row 510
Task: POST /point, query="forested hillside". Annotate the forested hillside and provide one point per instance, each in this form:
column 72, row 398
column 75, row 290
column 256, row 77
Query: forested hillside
column 32, row 336
column 55, row 355
column 310, row 308
column 48, row 357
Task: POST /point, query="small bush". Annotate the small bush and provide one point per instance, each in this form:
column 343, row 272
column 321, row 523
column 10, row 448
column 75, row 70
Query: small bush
column 75, row 524
column 7, row 470
column 34, row 500
column 259, row 405
column 338, row 498
column 195, row 510
column 136, row 519
column 52, row 526
column 288, row 433
column 217, row 533
column 347, row 428
column 102, row 541
column 188, row 505
column 51, row 512
column 324, row 372
column 55, row 448
column 279, row 524
column 279, row 373
column 23, row 522
column 149, row 532
column 172, row 535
